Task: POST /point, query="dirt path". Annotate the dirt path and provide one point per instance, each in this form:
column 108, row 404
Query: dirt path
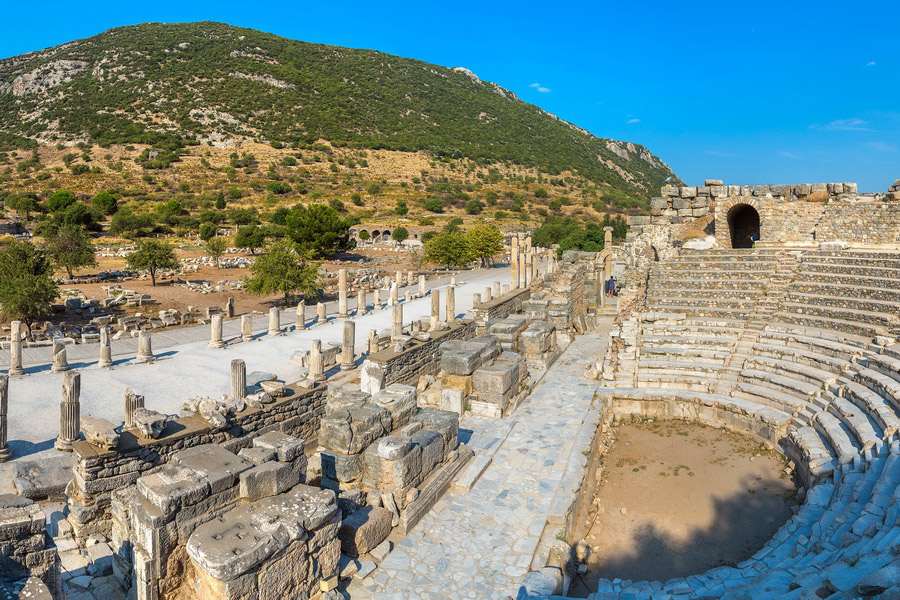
column 681, row 498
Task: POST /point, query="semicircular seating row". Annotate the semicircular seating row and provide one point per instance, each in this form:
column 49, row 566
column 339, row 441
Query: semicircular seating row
column 800, row 348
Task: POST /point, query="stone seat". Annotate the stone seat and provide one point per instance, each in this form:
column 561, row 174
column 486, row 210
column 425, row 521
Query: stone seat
column 812, row 347
column 784, row 402
column 837, row 435
column 783, row 383
column 795, row 370
column 888, row 367
column 876, row 406
column 857, row 328
column 692, row 368
column 739, row 283
column 851, row 308
column 676, row 298
column 864, row 269
column 707, row 311
column 704, row 355
column 858, row 422
column 858, row 281
column 686, row 341
column 822, row 334
column 871, row 290
column 800, row 355
column 678, row 381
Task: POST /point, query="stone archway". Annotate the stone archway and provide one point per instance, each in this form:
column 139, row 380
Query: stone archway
column 743, row 225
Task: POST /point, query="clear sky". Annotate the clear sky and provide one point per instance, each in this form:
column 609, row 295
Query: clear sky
column 794, row 91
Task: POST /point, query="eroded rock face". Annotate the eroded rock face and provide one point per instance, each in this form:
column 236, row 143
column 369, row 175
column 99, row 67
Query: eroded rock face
column 45, row 77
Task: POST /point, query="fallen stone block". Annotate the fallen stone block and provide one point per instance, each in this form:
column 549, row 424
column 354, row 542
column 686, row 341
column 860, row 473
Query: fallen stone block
column 364, row 529
column 267, row 479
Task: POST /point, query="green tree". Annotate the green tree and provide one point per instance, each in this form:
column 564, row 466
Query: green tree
column 319, row 228
column 434, row 205
column 251, row 237
column 215, row 248
column 70, row 248
column 105, row 202
column 364, row 235
column 151, row 256
column 284, row 269
column 220, row 202
column 540, row 193
column 26, row 282
column 400, row 234
column 24, row 204
column 449, row 248
column 207, row 231
column 60, row 200
column 278, row 187
column 485, row 241
column 473, row 206
column 356, row 198
column 401, row 208
column 79, row 214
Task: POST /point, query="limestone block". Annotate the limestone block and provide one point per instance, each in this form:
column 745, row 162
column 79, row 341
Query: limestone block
column 217, row 465
column 444, row 422
column 659, row 203
column 99, row 432
column 494, row 379
column 537, row 337
column 149, row 422
column 371, row 377
column 364, row 529
column 351, row 433
column 462, row 383
column 393, row 447
column 400, row 402
column 462, row 361
column 286, row 447
column 688, row 192
column 453, row 401
column 432, row 445
column 681, row 203
column 267, row 479
column 172, row 487
column 256, row 455
column 396, row 474
column 711, row 182
column 341, row 467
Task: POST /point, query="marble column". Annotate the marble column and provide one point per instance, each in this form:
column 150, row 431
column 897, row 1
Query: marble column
column 607, row 237
column 60, row 363
column 522, row 280
column 348, row 345
column 238, row 379
column 496, row 291
column 373, row 341
column 69, row 412
column 476, row 300
column 5, row 452
column 487, row 294
column 247, row 328
column 514, row 260
column 274, row 321
column 407, row 296
column 215, row 332
column 15, row 348
column 422, row 290
column 321, row 314
column 105, row 347
column 229, row 307
column 399, row 279
column 132, row 403
column 316, row 361
column 342, row 293
column 529, row 269
column 435, row 308
column 504, row 289
column 361, row 307
column 301, row 314
column 145, row 348
column 397, row 322
column 451, row 304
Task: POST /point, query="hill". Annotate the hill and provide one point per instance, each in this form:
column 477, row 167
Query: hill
column 174, row 85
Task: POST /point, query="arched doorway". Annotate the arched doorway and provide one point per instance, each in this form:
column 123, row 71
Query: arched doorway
column 743, row 224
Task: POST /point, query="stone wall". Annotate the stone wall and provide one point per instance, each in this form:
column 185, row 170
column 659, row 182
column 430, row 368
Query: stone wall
column 501, row 306
column 27, row 564
column 421, row 358
column 98, row 472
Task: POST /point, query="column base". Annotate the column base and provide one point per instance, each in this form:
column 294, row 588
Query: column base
column 63, row 445
column 16, row 372
column 5, row 454
column 217, row 344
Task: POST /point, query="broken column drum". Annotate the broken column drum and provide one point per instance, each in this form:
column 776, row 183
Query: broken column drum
column 69, row 412
column 60, row 363
column 105, row 347
column 274, row 321
column 451, row 304
column 397, row 322
column 435, row 307
column 361, row 307
column 422, row 289
column 316, row 361
column 495, row 293
column 321, row 313
column 342, row 293
column 348, row 350
column 301, row 314
column 5, row 452
column 246, row 328
column 238, row 379
column 215, row 332
column 145, row 349
column 15, row 348
column 132, row 403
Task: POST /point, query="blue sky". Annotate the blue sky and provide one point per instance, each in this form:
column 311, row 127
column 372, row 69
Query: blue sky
column 748, row 92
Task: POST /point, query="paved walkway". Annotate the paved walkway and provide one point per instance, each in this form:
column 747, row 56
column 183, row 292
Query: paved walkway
column 479, row 544
column 187, row 367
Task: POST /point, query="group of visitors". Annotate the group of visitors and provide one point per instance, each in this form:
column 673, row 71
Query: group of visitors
column 611, row 287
